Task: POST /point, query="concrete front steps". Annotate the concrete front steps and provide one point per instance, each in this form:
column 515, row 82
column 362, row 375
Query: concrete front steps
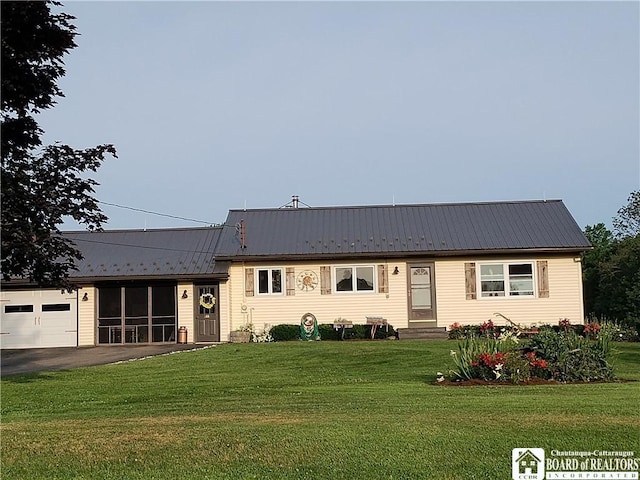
column 422, row 333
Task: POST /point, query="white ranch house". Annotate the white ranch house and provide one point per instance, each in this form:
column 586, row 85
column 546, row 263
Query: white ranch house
column 415, row 265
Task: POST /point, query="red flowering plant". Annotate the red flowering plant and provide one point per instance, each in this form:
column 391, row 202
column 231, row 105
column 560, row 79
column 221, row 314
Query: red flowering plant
column 490, row 366
column 457, row 331
column 538, row 367
column 488, row 329
column 564, row 324
column 483, row 357
column 591, row 330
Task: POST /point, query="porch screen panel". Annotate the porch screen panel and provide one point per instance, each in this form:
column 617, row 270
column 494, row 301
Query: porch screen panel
column 109, row 315
column 136, row 314
column 163, row 313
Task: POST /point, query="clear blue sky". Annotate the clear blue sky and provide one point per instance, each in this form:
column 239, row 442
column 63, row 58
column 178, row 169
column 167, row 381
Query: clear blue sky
column 218, row 105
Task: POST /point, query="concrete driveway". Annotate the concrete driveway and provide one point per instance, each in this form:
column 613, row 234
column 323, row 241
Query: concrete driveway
column 13, row 362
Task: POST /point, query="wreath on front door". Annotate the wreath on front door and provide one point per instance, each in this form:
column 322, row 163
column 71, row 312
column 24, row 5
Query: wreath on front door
column 207, row 300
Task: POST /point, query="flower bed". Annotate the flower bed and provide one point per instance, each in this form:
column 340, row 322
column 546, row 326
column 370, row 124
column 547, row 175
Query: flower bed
column 498, row 355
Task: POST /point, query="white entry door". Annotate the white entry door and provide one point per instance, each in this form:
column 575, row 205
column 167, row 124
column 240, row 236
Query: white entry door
column 38, row 318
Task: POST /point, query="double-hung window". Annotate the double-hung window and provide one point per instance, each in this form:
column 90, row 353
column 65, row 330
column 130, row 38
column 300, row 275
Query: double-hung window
column 506, row 279
column 269, row 281
column 356, row 278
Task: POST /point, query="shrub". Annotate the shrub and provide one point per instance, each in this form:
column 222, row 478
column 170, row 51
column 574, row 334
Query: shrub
column 487, row 329
column 285, row 332
column 327, row 332
column 382, row 333
column 358, row 332
column 363, row 332
column 572, row 357
column 626, row 332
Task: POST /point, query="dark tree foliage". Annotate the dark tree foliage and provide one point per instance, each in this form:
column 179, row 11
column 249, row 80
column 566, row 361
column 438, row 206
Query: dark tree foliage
column 593, row 262
column 627, row 222
column 621, row 281
column 40, row 186
column 611, row 271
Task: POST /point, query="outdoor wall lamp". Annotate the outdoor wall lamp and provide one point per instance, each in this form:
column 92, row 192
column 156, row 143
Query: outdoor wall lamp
column 184, row 294
column 85, row 297
column 396, row 271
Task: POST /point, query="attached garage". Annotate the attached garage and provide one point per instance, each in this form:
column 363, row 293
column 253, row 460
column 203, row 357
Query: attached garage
column 38, row 318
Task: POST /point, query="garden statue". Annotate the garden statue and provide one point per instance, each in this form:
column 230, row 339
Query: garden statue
column 309, row 327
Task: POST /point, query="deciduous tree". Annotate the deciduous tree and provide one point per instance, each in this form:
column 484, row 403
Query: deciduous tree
column 611, row 271
column 40, row 185
column 593, row 262
column 627, row 222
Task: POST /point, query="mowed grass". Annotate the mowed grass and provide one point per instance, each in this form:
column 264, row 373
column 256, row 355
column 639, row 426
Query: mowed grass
column 337, row 410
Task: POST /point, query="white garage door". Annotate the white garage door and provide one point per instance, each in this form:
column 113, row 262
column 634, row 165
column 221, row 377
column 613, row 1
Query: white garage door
column 38, row 318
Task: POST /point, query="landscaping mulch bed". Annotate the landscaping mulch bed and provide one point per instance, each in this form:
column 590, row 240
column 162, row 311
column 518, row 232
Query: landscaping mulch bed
column 532, row 381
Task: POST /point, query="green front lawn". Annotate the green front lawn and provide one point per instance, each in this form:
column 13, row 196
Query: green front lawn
column 301, row 410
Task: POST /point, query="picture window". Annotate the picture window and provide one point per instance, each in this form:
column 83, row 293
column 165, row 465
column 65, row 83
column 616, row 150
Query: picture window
column 356, row 278
column 507, row 280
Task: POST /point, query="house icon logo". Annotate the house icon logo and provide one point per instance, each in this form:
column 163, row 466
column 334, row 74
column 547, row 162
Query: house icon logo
column 527, row 463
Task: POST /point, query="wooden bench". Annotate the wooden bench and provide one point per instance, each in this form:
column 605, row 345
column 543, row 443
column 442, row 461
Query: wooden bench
column 342, row 323
column 376, row 322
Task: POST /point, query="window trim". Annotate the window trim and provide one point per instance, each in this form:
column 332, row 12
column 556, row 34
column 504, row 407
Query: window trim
column 11, row 309
column 270, row 292
column 355, row 291
column 506, row 279
column 55, row 307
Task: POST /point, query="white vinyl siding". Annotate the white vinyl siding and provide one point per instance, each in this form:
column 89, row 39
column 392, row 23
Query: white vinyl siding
column 185, row 309
column 323, row 301
column 453, row 302
column 564, row 298
column 87, row 316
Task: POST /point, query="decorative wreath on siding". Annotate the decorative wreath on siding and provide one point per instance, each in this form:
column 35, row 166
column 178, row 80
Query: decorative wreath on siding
column 207, row 300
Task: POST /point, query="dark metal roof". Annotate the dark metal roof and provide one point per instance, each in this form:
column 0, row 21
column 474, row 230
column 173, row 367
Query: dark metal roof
column 167, row 253
column 402, row 230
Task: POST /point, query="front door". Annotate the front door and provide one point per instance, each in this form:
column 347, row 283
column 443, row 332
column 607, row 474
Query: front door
column 421, row 292
column 207, row 313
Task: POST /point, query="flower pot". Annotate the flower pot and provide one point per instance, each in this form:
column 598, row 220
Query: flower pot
column 240, row 337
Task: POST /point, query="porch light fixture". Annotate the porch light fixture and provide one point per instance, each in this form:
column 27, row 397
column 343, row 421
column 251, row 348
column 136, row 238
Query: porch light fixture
column 396, row 271
column 85, row 297
column 184, row 294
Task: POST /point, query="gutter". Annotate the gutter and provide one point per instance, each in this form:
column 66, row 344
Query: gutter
column 422, row 254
